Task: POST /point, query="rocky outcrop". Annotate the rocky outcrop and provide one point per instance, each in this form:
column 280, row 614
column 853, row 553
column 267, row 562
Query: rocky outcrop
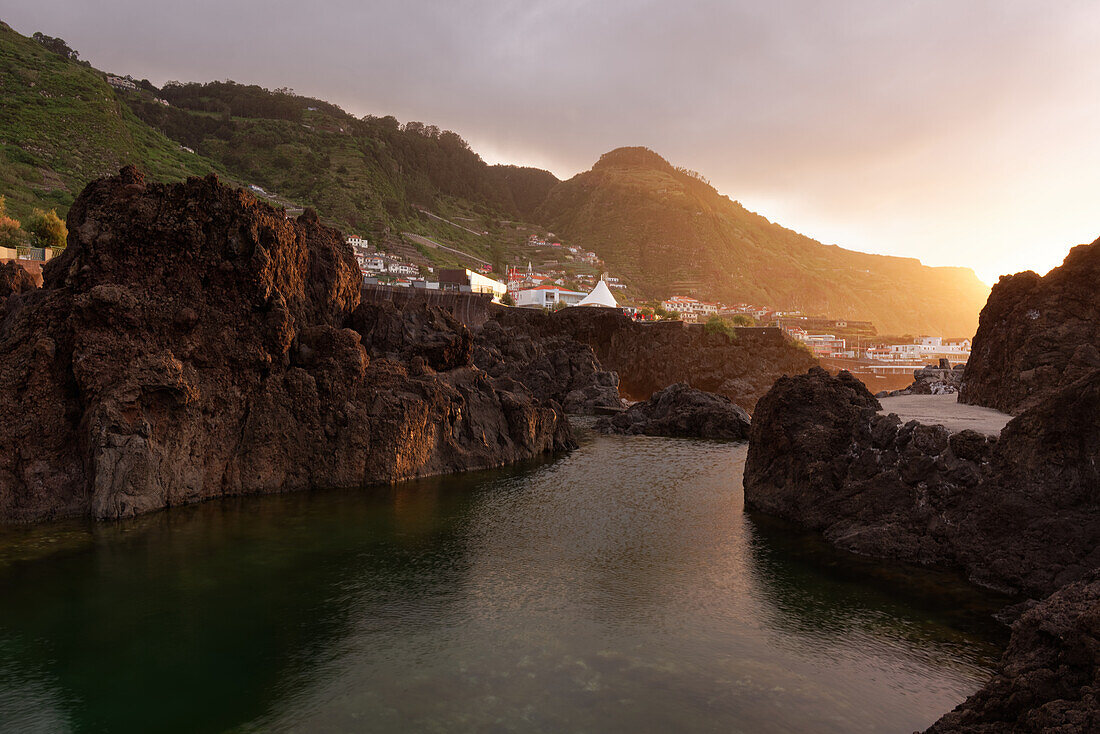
column 1036, row 334
column 14, row 279
column 650, row 357
column 1048, row 679
column 1020, row 513
column 553, row 366
column 416, row 332
column 193, row 343
column 934, row 379
column 681, row 411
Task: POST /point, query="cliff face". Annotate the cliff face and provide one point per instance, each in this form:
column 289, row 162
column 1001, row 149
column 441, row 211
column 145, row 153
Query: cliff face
column 1036, row 334
column 553, row 366
column 1020, row 513
column 193, row 343
column 650, row 357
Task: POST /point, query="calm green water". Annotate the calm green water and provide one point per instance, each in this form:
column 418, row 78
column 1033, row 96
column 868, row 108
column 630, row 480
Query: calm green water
column 617, row 589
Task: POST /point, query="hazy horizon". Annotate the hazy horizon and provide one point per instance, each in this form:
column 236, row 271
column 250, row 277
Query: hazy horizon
column 957, row 135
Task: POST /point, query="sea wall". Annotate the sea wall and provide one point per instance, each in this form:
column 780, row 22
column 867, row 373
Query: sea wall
column 471, row 309
column 193, row 343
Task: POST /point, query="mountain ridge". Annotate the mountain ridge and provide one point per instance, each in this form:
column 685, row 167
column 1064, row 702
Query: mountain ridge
column 668, row 227
column 663, row 228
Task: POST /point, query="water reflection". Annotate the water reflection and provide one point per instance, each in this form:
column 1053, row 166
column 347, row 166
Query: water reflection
column 618, row 588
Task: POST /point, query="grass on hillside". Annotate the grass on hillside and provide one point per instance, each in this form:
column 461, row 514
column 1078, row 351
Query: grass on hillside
column 62, row 125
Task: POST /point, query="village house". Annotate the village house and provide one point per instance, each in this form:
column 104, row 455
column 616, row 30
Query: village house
column 467, row 281
column 402, row 269
column 546, row 296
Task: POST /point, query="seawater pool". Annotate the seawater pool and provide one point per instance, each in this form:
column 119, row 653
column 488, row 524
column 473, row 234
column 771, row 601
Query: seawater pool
column 619, row 588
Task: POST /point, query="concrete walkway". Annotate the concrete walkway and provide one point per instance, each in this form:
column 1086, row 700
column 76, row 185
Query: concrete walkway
column 946, row 411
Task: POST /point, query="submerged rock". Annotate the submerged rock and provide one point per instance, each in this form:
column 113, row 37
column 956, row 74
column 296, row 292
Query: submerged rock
column 1036, row 335
column 682, row 411
column 193, row 343
column 1048, row 679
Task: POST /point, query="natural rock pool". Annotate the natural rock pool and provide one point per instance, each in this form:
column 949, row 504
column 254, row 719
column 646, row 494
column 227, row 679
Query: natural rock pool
column 617, row 588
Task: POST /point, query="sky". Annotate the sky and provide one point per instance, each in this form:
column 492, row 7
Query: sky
column 960, row 132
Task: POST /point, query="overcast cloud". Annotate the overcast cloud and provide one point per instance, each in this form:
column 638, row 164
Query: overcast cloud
column 959, row 132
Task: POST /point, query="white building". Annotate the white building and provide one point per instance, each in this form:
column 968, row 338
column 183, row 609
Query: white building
column 467, row 281
column 402, row 269
column 686, row 305
column 546, row 296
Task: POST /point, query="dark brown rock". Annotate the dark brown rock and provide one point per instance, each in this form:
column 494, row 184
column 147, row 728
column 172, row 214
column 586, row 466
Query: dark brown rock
column 934, row 379
column 193, row 343
column 418, row 330
column 553, row 366
column 681, row 411
column 1036, row 334
column 1019, row 514
column 649, row 357
column 1048, row 679
column 14, row 279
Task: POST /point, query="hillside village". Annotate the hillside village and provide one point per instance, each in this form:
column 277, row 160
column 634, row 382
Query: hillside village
column 570, row 276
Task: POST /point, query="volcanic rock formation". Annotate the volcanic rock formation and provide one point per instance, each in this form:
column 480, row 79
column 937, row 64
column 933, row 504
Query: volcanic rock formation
column 1020, row 513
column 1036, row 334
column 14, row 279
column 681, row 411
column 193, row 343
column 649, row 357
column 1048, row 679
column 554, row 367
column 933, row 379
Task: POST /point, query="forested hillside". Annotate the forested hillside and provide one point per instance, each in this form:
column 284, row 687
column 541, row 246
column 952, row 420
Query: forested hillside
column 366, row 174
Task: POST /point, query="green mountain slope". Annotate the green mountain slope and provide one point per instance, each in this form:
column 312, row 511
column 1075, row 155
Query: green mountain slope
column 62, row 125
column 665, row 230
column 669, row 231
column 369, row 175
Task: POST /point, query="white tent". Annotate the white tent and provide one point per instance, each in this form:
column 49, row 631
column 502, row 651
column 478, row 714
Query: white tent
column 600, row 296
